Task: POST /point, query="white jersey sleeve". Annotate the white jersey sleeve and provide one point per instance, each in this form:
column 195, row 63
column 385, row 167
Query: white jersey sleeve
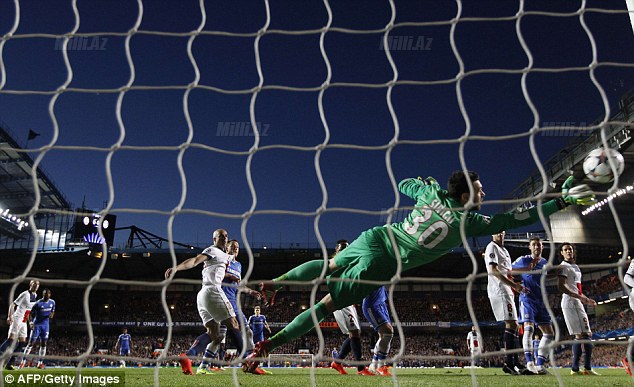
column 215, row 266
column 499, row 256
column 23, row 303
column 629, row 275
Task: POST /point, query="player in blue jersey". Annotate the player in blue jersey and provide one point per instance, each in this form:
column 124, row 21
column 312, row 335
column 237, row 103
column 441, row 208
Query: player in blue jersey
column 375, row 311
column 124, row 342
column 532, row 306
column 41, row 313
column 257, row 323
column 231, row 286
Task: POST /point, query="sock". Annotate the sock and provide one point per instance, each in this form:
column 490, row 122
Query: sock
column 355, row 343
column 209, row 354
column 542, row 352
column 382, row 348
column 576, row 355
column 236, row 338
column 509, row 345
column 7, row 343
column 249, row 342
column 301, row 325
column 527, row 343
column 199, row 345
column 587, row 355
column 221, row 354
column 41, row 353
column 305, row 272
column 516, row 344
column 345, row 349
column 18, row 349
column 27, row 350
column 221, row 339
column 378, row 358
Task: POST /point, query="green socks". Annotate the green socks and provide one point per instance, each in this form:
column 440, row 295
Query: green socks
column 307, row 271
column 301, row 325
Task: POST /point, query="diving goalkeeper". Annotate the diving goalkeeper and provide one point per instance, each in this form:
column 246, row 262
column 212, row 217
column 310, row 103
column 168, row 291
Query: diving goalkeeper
column 431, row 230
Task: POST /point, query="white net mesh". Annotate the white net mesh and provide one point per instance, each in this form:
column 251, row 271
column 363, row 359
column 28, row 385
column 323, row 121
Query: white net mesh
column 368, row 93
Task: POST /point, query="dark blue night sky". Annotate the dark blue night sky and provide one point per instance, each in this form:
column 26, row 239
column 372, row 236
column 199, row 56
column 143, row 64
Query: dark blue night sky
column 284, row 178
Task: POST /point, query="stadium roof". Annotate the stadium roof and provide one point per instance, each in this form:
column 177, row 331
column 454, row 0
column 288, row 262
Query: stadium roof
column 17, row 188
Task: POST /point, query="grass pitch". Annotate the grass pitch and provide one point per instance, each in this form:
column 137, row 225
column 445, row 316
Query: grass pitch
column 288, row 377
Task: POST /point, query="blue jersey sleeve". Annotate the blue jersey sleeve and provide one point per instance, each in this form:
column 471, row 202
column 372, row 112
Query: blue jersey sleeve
column 520, row 263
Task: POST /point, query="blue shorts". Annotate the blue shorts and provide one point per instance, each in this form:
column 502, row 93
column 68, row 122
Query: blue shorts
column 124, row 351
column 258, row 337
column 377, row 315
column 39, row 332
column 534, row 312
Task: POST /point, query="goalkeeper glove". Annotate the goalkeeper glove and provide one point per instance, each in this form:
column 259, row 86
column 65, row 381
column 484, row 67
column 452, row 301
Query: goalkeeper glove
column 580, row 195
column 428, row 180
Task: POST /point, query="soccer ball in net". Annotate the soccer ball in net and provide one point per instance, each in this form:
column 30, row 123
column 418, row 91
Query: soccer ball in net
column 597, row 168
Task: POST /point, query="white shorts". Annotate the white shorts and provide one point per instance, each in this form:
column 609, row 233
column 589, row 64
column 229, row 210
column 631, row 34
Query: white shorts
column 576, row 320
column 476, row 351
column 632, row 299
column 213, row 305
column 503, row 306
column 348, row 319
column 17, row 329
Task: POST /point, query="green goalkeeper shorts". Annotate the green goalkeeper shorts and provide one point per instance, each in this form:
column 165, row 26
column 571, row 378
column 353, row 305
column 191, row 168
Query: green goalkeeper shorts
column 366, row 259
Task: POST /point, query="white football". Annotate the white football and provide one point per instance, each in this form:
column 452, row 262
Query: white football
column 597, row 167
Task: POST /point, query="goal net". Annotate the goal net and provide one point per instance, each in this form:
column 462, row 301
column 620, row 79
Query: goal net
column 290, row 124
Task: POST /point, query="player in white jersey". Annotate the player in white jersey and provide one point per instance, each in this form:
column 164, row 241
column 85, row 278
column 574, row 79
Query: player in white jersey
column 572, row 308
column 213, row 306
column 500, row 289
column 17, row 318
column 348, row 320
column 629, row 281
column 474, row 343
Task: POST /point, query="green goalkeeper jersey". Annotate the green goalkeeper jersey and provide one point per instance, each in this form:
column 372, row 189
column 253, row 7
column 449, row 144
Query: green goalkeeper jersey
column 432, row 229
